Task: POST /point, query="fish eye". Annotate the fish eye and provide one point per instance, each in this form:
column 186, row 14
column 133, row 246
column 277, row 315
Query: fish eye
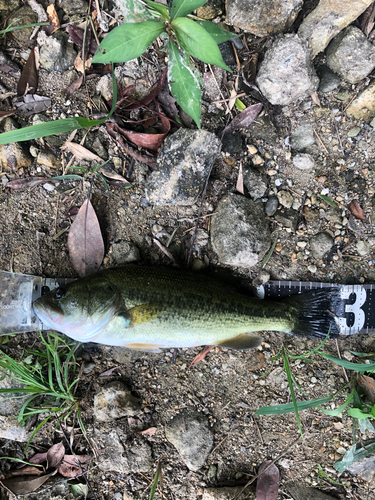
column 59, row 294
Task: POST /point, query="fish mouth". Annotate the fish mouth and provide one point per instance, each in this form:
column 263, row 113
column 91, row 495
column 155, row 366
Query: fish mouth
column 49, row 316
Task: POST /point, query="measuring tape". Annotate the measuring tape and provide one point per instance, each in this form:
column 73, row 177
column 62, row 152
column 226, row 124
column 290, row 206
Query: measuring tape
column 358, row 312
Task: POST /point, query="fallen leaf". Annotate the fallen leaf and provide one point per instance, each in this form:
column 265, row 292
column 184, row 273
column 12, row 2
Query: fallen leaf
column 368, row 385
column 72, row 211
column 31, row 104
column 268, row 481
column 79, row 490
column 26, row 183
column 28, row 82
column 152, row 142
column 54, row 455
column 26, row 484
column 367, row 19
column 315, row 98
column 168, row 102
column 149, row 432
column 109, row 372
column 154, row 92
column 244, row 119
column 80, row 152
column 239, row 185
column 38, row 458
column 74, row 465
column 5, row 114
column 355, row 209
column 77, row 36
column 201, row 355
column 53, row 19
column 28, row 470
column 85, row 241
column 111, row 174
column 74, row 86
column 78, row 63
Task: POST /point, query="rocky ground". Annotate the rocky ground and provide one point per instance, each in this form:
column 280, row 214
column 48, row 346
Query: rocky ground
column 308, row 183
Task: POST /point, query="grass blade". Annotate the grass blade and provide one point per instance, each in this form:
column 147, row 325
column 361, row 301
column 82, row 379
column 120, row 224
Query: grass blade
column 155, row 481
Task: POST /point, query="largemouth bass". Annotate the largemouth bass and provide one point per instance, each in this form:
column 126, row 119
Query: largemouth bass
column 151, row 308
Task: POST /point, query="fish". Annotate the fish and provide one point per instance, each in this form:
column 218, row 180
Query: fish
column 154, row 308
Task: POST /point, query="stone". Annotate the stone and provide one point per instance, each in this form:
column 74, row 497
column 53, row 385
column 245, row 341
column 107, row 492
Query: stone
column 182, row 167
column 328, row 79
column 189, row 432
column 115, row 401
column 228, row 493
column 288, row 218
column 286, row 73
column 327, row 20
column 321, row 244
column 254, row 181
column 8, row 68
column 232, row 143
column 262, row 128
column 123, row 252
column 353, row 132
column 304, row 161
column 363, row 248
column 72, row 7
column 365, row 468
column 351, row 55
column 13, row 156
column 24, row 15
column 285, row 198
column 302, row 137
column 136, row 457
column 210, row 10
column 104, row 87
column 57, row 54
column 8, row 6
column 271, row 206
column 262, row 18
column 48, row 159
column 239, row 231
column 363, row 106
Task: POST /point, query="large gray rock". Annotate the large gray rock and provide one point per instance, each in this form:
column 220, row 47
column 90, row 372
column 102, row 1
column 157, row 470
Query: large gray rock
column 239, row 231
column 255, row 182
column 351, row 55
column 327, row 20
column 191, row 435
column 21, row 17
column 7, row 6
column 182, row 167
column 328, row 79
column 115, row 401
column 72, row 7
column 321, row 244
column 262, row 18
column 57, row 54
column 115, row 457
column 286, row 73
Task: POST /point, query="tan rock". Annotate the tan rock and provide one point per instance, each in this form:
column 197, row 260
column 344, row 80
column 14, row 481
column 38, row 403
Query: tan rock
column 363, row 107
column 327, row 20
column 48, row 159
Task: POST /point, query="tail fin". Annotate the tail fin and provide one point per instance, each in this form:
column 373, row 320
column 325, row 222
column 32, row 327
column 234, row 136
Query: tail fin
column 316, row 313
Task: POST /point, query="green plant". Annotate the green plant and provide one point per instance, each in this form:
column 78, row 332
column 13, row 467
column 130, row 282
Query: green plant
column 186, row 35
column 49, row 381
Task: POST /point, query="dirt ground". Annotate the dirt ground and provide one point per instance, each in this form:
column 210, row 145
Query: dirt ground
column 227, row 386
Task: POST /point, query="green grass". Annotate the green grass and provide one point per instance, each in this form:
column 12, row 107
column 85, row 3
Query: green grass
column 49, row 378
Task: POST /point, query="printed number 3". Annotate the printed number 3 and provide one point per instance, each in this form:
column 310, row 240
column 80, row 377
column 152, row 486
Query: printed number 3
column 359, row 314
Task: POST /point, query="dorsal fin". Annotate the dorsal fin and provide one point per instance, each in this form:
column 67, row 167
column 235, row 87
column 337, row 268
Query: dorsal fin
column 242, row 341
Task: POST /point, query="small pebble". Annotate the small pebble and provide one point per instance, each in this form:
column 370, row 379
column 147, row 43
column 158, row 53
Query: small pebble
column 312, row 268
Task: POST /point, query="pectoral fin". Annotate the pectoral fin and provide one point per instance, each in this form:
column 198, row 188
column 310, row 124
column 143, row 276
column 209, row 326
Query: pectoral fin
column 143, row 313
column 242, row 341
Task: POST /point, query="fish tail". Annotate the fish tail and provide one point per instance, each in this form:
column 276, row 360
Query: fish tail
column 316, row 313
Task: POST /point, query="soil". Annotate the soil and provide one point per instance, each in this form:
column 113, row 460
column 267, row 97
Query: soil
column 227, row 386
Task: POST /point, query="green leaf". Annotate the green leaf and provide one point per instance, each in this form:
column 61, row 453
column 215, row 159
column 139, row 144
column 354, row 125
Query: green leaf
column 218, row 33
column 358, row 367
column 289, row 407
column 357, row 413
column 181, row 8
column 184, row 83
column 57, row 126
column 197, row 42
column 128, row 41
column 162, row 9
column 339, row 409
column 239, row 105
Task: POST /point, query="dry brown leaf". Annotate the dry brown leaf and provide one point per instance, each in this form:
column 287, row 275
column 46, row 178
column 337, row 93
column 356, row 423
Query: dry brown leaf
column 368, row 385
column 5, row 114
column 54, row 455
column 80, row 152
column 26, row 183
column 150, row 432
column 201, row 355
column 78, row 63
column 244, row 119
column 74, row 86
column 74, row 465
column 85, row 241
column 315, row 98
column 239, row 185
column 28, row 81
column 28, row 470
column 111, row 174
column 26, row 484
column 38, row 458
column 355, row 209
column 53, row 19
column 268, row 481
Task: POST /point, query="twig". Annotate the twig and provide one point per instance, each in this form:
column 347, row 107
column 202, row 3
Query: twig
column 222, row 96
column 338, row 352
column 216, row 447
column 351, row 100
column 199, row 214
column 226, row 100
column 163, row 249
column 260, row 435
column 321, row 142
